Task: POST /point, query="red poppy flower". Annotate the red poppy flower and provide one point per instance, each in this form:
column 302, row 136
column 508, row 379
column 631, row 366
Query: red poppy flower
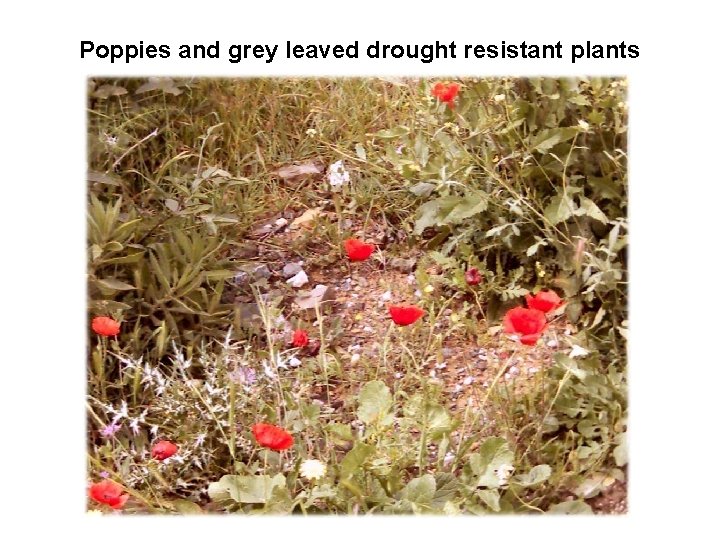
column 446, row 93
column 272, row 437
column 105, row 326
column 545, row 301
column 404, row 314
column 300, row 338
column 358, row 250
column 163, row 450
column 473, row 277
column 528, row 323
column 108, row 492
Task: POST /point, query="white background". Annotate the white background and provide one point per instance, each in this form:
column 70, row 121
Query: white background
column 673, row 215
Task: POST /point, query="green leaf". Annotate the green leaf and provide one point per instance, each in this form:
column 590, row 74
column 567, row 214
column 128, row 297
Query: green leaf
column 570, row 507
column 559, row 209
column 184, row 506
column 397, row 131
column 493, row 453
column 446, row 486
column 439, row 422
column 467, row 207
column 360, row 151
column 341, row 431
column 546, row 140
column 450, row 209
column 422, row 189
column 589, row 208
column 375, row 402
column 620, row 452
column 537, row 475
column 115, row 284
column 420, row 490
column 491, row 497
column 354, row 459
column 245, row 489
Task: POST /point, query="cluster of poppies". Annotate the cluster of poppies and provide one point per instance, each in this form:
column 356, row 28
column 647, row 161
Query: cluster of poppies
column 112, row 494
column 529, row 323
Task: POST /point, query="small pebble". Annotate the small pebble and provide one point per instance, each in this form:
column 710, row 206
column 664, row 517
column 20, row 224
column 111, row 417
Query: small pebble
column 552, row 343
column 468, row 380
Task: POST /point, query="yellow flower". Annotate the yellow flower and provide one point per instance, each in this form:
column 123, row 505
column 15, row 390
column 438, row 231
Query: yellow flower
column 312, row 469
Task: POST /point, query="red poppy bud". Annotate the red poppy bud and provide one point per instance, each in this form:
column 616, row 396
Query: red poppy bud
column 105, row 326
column 528, row 323
column 108, row 492
column 300, row 338
column 405, row 314
column 163, row 450
column 272, row 437
column 473, row 277
column 357, row 250
column 545, row 301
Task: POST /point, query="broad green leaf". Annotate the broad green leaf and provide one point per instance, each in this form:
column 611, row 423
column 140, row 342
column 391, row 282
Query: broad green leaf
column 605, row 187
column 570, row 507
column 184, row 506
column 355, row 458
column 491, row 497
column 245, row 489
column 341, row 431
column 589, row 208
column 620, row 452
column 467, row 207
column 559, row 209
column 492, row 454
column 115, row 284
column 446, row 486
column 537, row 475
column 420, row 490
column 375, row 402
column 439, row 422
column 422, row 189
column 546, row 140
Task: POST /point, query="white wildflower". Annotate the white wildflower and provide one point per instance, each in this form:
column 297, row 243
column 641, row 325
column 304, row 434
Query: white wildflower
column 312, row 469
column 299, row 279
column 294, row 361
column 577, row 350
column 449, row 457
column 310, row 132
column 498, row 98
column 504, row 472
column 337, row 175
column 582, row 124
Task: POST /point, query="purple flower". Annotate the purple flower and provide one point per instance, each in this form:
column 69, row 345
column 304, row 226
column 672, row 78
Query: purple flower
column 104, row 474
column 110, row 430
column 243, row 375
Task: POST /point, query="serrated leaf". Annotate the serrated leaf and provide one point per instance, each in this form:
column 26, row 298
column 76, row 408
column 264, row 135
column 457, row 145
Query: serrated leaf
column 570, row 507
column 536, row 475
column 559, row 209
column 355, row 458
column 589, row 208
column 546, row 140
column 375, row 402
